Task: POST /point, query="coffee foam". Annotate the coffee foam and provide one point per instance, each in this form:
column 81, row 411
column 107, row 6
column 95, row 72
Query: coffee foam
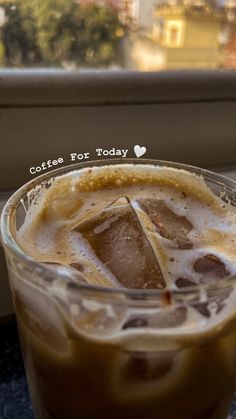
column 47, row 233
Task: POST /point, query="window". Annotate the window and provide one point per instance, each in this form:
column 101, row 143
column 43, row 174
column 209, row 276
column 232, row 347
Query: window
column 174, row 34
column 118, row 34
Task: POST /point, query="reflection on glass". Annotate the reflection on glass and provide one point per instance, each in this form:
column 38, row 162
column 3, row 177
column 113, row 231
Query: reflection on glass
column 146, row 35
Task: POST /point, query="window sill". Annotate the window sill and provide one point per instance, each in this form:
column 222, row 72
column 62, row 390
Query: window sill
column 52, row 87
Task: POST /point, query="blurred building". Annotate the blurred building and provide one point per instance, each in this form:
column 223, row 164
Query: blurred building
column 142, row 11
column 183, row 35
column 139, row 13
column 229, row 40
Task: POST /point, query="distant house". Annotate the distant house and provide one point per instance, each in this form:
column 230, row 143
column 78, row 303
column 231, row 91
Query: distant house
column 230, row 50
column 182, row 36
column 143, row 13
column 230, row 41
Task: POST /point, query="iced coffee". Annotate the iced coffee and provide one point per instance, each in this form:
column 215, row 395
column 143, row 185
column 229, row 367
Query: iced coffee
column 124, row 292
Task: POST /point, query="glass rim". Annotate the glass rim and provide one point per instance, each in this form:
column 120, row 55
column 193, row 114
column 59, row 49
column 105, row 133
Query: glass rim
column 48, row 275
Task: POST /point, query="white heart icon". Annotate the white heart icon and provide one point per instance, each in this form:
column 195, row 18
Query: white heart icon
column 139, row 151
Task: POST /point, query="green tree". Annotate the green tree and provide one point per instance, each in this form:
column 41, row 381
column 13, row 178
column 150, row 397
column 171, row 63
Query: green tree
column 98, row 36
column 55, row 32
column 46, row 16
column 18, row 37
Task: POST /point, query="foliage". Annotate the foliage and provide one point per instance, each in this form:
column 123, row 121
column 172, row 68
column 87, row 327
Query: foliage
column 98, row 35
column 18, row 37
column 60, row 32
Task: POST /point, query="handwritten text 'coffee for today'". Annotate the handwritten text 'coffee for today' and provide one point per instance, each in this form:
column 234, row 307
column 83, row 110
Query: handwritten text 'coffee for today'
column 80, row 156
column 100, row 152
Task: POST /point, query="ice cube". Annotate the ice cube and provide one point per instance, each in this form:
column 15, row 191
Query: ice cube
column 96, row 318
column 182, row 282
column 168, row 317
column 216, row 301
column 135, row 321
column 218, row 297
column 201, row 307
column 211, row 265
column 214, row 297
column 169, row 225
column 72, row 272
column 161, row 319
column 40, row 313
column 119, row 241
column 64, row 206
column 146, row 367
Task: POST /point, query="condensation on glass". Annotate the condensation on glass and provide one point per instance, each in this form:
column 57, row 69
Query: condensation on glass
column 145, row 35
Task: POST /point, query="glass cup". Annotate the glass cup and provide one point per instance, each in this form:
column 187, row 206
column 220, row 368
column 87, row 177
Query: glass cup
column 92, row 352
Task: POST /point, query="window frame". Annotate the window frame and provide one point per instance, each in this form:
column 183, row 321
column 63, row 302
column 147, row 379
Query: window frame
column 56, row 87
